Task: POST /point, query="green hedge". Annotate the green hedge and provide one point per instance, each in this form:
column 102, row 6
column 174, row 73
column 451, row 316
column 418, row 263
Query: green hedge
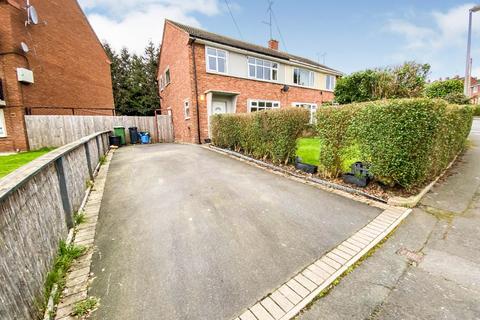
column 332, row 126
column 407, row 141
column 264, row 135
column 476, row 110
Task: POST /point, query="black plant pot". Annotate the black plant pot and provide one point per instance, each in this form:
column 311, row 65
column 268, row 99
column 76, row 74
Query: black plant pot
column 356, row 180
column 308, row 168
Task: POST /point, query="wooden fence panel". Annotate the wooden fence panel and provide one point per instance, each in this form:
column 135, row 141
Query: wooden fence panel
column 165, row 129
column 56, row 131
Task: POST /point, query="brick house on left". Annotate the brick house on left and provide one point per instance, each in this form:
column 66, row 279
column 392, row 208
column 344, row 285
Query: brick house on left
column 65, row 70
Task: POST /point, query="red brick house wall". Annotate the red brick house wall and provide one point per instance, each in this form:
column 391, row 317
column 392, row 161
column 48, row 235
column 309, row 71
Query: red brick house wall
column 176, row 52
column 176, row 55
column 248, row 89
column 70, row 67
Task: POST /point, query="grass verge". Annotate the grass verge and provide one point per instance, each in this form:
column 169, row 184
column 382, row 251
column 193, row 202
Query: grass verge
column 14, row 161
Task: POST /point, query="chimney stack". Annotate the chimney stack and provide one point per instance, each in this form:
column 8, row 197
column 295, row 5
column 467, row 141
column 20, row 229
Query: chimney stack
column 273, row 44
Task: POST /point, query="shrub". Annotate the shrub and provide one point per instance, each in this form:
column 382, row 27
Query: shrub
column 332, row 127
column 402, row 81
column 265, row 135
column 410, row 141
column 440, row 89
column 476, row 111
column 406, row 141
column 457, row 98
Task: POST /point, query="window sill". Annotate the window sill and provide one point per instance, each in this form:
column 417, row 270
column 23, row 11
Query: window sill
column 187, row 118
column 217, row 72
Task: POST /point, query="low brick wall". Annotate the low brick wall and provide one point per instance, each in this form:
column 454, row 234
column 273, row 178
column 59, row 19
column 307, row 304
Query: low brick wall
column 37, row 203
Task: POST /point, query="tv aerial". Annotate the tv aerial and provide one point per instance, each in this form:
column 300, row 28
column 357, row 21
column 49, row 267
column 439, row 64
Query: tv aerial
column 32, row 16
column 24, row 47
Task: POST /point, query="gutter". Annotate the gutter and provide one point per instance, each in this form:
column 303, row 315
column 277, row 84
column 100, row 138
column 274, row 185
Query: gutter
column 192, row 44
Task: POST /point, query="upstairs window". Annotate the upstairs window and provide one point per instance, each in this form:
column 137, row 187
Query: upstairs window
column 311, row 107
column 331, row 80
column 262, row 69
column 303, row 77
column 161, row 83
column 167, row 76
column 216, row 60
column 260, row 105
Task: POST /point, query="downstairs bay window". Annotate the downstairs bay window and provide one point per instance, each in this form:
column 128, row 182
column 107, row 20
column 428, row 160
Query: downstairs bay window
column 3, row 129
column 311, row 107
column 260, row 105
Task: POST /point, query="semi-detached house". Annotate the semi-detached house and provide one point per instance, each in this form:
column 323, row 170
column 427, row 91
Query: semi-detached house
column 202, row 73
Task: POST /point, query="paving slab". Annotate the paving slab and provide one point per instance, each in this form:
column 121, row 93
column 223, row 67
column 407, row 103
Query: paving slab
column 185, row 233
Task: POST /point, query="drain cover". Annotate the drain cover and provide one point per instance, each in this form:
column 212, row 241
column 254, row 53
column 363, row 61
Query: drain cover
column 413, row 257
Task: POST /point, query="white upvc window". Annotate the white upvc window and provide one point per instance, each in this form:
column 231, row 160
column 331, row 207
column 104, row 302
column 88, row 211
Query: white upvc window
column 3, row 129
column 167, row 77
column 216, row 60
column 311, row 107
column 331, row 81
column 161, row 83
column 260, row 105
column 186, row 109
column 475, row 89
column 303, row 77
column 262, row 69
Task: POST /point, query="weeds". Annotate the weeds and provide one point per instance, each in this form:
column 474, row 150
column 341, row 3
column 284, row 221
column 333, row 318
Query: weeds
column 79, row 218
column 89, row 183
column 85, row 307
column 102, row 160
column 65, row 256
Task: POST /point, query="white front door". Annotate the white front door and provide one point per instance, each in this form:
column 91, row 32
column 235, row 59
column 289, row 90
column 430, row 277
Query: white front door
column 219, row 107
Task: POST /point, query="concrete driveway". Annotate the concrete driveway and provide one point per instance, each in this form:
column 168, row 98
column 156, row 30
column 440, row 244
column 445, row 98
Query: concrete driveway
column 186, row 233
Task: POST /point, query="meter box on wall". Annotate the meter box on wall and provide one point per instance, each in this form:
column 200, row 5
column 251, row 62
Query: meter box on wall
column 25, row 75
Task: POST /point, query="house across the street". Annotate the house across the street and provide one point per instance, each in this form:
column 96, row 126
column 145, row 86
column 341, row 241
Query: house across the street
column 51, row 63
column 202, row 73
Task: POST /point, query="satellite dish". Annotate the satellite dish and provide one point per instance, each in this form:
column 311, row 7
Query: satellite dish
column 24, row 47
column 32, row 15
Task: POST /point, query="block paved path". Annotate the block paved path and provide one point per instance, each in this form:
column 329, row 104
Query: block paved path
column 186, row 233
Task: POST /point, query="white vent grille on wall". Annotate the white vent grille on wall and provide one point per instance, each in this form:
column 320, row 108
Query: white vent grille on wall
column 25, row 75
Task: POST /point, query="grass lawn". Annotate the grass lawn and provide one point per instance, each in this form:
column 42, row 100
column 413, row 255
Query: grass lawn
column 15, row 161
column 309, row 150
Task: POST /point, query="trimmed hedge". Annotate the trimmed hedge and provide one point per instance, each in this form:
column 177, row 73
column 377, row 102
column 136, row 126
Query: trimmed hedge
column 407, row 141
column 265, row 135
column 332, row 126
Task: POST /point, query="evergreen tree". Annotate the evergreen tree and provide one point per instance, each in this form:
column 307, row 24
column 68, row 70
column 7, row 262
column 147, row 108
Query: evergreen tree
column 134, row 84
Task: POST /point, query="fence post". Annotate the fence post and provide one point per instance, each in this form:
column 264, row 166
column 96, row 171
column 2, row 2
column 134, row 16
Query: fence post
column 98, row 148
column 62, row 182
column 89, row 162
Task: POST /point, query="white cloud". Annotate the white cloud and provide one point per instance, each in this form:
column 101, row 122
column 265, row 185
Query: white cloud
column 445, row 29
column 132, row 23
column 438, row 38
column 416, row 36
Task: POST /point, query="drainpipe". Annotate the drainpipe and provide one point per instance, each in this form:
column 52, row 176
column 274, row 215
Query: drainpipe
column 192, row 43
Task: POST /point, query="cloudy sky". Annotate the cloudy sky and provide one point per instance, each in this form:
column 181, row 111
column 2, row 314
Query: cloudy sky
column 349, row 35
